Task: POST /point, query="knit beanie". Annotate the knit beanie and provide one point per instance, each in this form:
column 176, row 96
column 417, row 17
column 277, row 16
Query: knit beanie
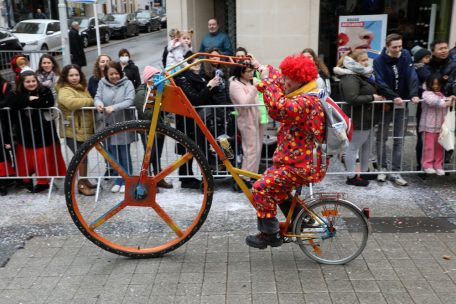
column 148, row 72
column 419, row 52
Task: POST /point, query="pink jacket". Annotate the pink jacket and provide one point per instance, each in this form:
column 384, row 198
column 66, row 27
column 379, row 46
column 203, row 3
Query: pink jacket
column 433, row 111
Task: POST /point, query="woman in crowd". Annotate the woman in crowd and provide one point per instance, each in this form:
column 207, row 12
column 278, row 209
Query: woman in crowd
column 324, row 75
column 48, row 72
column 146, row 114
column 97, row 73
column 72, row 96
column 129, row 68
column 38, row 146
column 199, row 92
column 358, row 90
column 244, row 92
column 114, row 96
column 6, row 140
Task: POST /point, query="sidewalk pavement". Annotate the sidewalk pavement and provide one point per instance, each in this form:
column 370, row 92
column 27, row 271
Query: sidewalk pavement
column 409, row 259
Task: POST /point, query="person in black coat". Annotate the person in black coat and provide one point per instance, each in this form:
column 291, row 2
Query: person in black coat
column 6, row 139
column 76, row 46
column 38, row 146
column 130, row 69
column 199, row 92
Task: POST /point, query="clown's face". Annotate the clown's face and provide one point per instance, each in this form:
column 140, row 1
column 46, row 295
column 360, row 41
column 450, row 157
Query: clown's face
column 291, row 85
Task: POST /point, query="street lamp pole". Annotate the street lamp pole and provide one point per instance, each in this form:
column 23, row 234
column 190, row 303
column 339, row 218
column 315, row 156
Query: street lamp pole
column 64, row 30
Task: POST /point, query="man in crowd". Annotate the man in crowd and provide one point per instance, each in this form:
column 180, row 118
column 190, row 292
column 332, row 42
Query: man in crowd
column 397, row 81
column 442, row 64
column 76, row 46
column 216, row 39
column 40, row 15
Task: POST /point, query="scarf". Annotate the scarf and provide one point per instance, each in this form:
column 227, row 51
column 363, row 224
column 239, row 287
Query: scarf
column 46, row 79
column 357, row 68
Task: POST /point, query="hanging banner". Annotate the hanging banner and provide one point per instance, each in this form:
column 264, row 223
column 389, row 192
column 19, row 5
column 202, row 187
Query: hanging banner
column 362, row 32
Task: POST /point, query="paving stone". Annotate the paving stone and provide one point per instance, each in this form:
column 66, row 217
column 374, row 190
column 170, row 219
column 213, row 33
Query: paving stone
column 238, row 299
column 426, row 298
column 265, row 298
column 213, row 288
column 370, row 298
column 343, row 297
column 317, row 298
column 264, row 287
column 291, row 298
column 213, row 299
column 188, row 289
column 238, row 287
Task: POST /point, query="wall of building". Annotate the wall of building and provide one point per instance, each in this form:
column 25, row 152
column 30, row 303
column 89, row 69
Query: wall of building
column 452, row 39
column 272, row 29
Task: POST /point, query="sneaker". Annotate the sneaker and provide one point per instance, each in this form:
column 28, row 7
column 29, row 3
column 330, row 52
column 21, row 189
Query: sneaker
column 115, row 188
column 397, row 178
column 164, row 184
column 122, row 189
column 369, row 176
column 357, row 181
column 440, row 172
column 40, row 187
column 429, row 170
column 381, row 177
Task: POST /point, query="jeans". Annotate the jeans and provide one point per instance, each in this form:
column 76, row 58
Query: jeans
column 121, row 153
column 399, row 118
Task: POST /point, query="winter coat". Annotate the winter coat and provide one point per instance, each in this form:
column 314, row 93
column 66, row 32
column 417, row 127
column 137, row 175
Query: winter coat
column 70, row 100
column 176, row 52
column 131, row 71
column 433, row 111
column 31, row 128
column 120, row 96
column 446, row 68
column 76, row 48
column 302, row 125
column 244, row 94
column 358, row 92
column 140, row 96
column 217, row 40
column 92, row 86
column 396, row 77
column 195, row 89
column 5, row 131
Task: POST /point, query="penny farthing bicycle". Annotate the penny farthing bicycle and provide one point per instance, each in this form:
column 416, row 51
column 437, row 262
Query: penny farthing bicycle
column 144, row 222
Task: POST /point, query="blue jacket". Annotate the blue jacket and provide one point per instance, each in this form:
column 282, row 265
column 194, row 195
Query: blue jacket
column 218, row 40
column 396, row 77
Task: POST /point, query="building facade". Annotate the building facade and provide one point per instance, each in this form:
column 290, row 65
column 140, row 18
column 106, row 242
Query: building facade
column 271, row 29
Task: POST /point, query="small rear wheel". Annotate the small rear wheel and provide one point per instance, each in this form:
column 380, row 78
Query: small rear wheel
column 344, row 237
column 142, row 222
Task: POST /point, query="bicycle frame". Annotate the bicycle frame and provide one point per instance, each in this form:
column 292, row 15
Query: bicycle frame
column 165, row 95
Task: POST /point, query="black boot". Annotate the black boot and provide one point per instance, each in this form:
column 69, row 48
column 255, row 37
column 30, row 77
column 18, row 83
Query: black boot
column 268, row 236
column 307, row 221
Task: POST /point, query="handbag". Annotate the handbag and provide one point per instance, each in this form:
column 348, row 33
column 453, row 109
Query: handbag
column 446, row 137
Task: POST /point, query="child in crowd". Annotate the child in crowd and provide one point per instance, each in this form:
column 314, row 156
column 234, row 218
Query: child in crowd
column 433, row 113
column 97, row 73
column 178, row 47
column 73, row 95
column 38, row 146
column 6, row 168
column 18, row 62
column 115, row 95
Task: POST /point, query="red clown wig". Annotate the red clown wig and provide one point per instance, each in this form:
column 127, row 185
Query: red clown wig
column 299, row 68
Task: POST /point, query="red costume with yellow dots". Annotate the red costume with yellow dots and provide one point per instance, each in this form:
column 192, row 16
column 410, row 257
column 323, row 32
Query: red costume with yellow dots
column 297, row 159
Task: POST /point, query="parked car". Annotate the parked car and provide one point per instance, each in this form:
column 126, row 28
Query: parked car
column 122, row 25
column 160, row 11
column 87, row 30
column 9, row 45
column 148, row 21
column 9, row 42
column 39, row 34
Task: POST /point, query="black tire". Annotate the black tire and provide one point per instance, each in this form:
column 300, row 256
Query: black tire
column 343, row 240
column 125, row 233
column 44, row 47
column 85, row 41
column 137, row 31
column 124, row 34
column 149, row 28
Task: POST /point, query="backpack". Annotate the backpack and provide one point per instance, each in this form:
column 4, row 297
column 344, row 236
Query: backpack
column 339, row 127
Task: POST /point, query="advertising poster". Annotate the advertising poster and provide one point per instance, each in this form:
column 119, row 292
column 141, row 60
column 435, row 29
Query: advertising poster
column 362, row 32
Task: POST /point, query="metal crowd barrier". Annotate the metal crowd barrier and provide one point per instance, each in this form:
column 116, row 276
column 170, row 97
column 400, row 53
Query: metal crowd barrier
column 100, row 170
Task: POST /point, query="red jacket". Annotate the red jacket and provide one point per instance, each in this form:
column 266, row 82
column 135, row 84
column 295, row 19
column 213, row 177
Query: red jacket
column 302, row 121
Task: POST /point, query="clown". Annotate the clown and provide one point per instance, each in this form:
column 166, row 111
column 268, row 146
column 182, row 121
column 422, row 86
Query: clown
column 291, row 98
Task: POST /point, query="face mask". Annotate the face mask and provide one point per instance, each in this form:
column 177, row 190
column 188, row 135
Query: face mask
column 124, row 59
